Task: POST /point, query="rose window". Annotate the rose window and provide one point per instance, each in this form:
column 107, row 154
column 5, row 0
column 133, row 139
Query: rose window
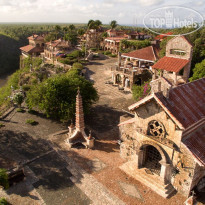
column 156, row 129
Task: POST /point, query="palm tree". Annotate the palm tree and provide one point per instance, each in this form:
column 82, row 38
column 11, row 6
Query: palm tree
column 57, row 30
column 98, row 23
column 71, row 27
column 113, row 24
column 65, row 29
column 90, row 22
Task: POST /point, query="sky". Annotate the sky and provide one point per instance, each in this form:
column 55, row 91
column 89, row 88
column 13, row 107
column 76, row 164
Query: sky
column 80, row 11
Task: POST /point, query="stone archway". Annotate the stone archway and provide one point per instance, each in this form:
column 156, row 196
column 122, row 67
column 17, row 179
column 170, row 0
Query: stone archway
column 152, row 158
column 160, row 163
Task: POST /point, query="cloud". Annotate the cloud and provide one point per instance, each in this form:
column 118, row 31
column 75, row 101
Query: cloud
column 151, row 2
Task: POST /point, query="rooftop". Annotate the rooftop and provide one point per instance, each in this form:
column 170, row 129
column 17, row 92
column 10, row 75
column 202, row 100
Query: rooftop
column 170, row 64
column 148, row 53
column 36, row 37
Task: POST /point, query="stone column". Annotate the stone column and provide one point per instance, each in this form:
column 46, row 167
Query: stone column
column 138, row 158
column 165, row 171
column 154, row 75
column 123, row 81
column 114, row 78
column 119, row 59
column 175, row 78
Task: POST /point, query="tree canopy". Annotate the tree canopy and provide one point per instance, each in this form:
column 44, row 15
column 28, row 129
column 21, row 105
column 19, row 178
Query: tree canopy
column 113, row 24
column 198, row 71
column 56, row 96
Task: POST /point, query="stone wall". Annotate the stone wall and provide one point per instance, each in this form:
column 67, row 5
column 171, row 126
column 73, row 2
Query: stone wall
column 181, row 44
column 136, row 134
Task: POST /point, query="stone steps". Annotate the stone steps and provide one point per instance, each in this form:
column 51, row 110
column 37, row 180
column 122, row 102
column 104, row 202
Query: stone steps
column 154, row 182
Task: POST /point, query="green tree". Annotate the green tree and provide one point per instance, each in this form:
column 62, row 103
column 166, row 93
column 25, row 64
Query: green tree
column 4, row 178
column 65, row 29
column 113, row 24
column 81, row 31
column 57, row 30
column 198, row 71
column 71, row 27
column 56, row 95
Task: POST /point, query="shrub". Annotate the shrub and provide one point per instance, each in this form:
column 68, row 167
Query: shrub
column 3, row 201
column 4, row 179
column 107, row 53
column 31, row 122
column 77, row 66
column 141, row 91
column 18, row 98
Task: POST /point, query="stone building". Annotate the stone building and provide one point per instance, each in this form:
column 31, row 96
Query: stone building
column 54, row 48
column 164, row 143
column 175, row 66
column 135, row 67
column 76, row 135
column 112, row 44
column 35, row 47
column 92, row 38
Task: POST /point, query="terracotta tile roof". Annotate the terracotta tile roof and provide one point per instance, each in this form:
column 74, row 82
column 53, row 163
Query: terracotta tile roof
column 162, row 36
column 31, row 49
column 170, row 64
column 186, row 102
column 36, row 37
column 27, row 48
column 59, row 42
column 148, row 53
column 195, row 142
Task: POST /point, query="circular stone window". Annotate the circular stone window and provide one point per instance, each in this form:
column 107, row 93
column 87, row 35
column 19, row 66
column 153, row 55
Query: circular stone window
column 156, row 129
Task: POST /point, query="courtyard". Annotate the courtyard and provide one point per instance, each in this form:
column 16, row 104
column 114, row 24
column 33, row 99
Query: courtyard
column 56, row 174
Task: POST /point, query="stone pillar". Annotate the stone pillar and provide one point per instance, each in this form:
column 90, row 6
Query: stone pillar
column 123, row 81
column 165, row 171
column 139, row 63
column 114, row 78
column 154, row 75
column 175, row 78
column 119, row 59
column 138, row 158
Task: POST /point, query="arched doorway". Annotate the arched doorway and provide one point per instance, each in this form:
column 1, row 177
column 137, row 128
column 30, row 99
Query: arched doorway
column 152, row 159
column 118, row 79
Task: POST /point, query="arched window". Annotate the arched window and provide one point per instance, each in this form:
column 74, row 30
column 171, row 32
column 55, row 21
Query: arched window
column 156, row 129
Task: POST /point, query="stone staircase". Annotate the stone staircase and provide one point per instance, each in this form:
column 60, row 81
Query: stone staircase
column 152, row 181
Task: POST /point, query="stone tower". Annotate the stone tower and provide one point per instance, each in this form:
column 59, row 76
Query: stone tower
column 77, row 134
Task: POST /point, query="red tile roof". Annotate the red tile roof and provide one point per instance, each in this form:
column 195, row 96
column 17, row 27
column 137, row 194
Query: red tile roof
column 148, row 53
column 170, row 64
column 186, row 102
column 27, row 48
column 31, row 49
column 162, row 36
column 195, row 142
column 59, row 42
column 36, row 37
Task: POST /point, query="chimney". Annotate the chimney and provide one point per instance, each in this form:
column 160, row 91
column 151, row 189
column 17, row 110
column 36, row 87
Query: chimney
column 79, row 113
